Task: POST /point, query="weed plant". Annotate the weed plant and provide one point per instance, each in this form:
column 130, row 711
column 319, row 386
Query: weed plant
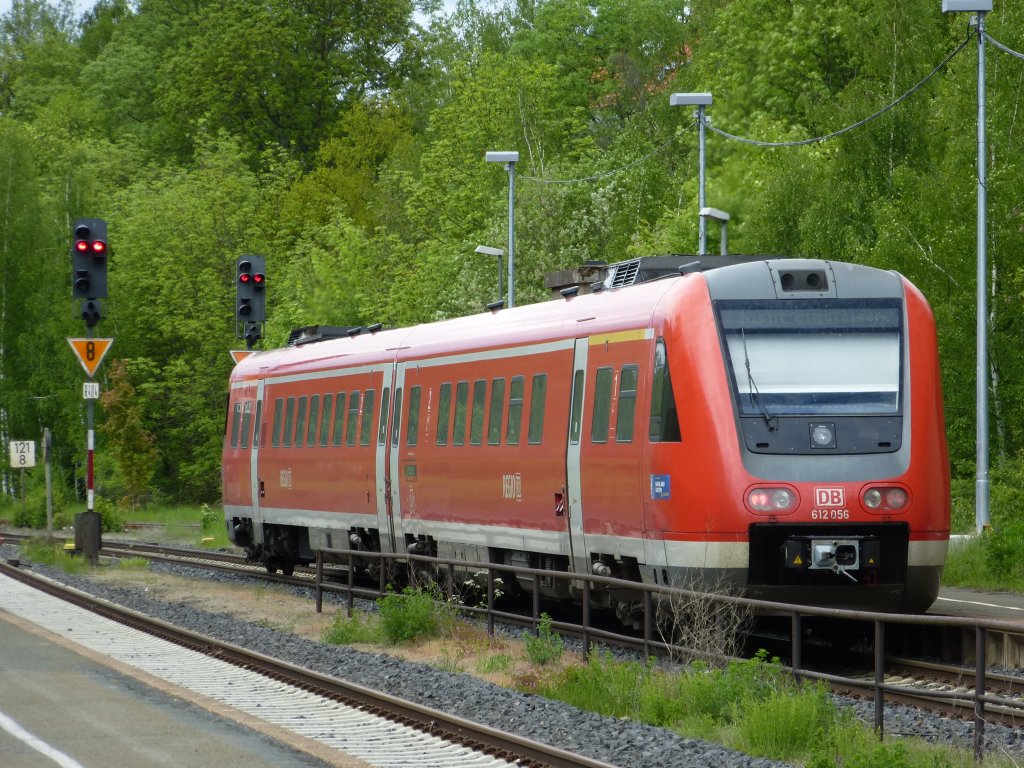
column 546, row 646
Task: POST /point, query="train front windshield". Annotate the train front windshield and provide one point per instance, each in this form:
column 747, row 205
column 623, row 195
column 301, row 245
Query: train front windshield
column 814, row 357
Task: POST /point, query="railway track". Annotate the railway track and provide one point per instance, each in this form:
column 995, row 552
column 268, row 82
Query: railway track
column 943, row 688
column 384, row 726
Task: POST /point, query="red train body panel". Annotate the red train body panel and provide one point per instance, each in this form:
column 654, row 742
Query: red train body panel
column 774, row 428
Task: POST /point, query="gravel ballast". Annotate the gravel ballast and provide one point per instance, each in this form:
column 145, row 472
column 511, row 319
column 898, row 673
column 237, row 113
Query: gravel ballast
column 617, row 741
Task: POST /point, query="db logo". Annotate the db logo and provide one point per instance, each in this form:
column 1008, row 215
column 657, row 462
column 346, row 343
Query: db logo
column 829, row 497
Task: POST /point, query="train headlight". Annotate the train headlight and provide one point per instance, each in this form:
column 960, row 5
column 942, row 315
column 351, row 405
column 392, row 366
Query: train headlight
column 885, row 499
column 771, row 501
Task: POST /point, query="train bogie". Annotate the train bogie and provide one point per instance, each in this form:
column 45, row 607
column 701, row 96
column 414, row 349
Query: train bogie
column 771, row 428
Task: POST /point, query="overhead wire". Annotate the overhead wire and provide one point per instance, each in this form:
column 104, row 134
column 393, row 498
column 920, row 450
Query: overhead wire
column 1002, row 47
column 852, row 126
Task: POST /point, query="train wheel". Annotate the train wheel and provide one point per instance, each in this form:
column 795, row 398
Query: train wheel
column 287, row 567
column 271, row 567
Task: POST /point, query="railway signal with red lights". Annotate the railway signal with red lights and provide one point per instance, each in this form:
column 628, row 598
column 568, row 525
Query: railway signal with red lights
column 89, row 259
column 251, row 297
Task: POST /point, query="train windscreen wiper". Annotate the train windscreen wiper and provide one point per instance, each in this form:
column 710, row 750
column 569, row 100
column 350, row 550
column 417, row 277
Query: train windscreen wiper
column 753, row 392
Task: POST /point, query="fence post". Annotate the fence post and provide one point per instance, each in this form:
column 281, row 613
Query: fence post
column 319, row 581
column 980, row 664
column 879, row 679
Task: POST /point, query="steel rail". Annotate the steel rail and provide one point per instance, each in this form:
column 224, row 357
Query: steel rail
column 481, row 738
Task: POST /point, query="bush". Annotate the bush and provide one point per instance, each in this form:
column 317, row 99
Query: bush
column 110, row 515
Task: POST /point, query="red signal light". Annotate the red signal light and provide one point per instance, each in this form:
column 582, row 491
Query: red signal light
column 81, row 246
column 99, row 247
column 258, row 279
column 244, row 278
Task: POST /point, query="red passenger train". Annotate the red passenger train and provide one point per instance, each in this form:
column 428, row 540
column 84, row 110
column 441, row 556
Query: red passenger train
column 772, row 428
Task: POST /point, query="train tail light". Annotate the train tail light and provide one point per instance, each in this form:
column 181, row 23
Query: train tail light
column 885, row 499
column 771, row 501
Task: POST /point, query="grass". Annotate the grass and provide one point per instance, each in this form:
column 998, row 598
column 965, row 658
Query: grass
column 52, row 553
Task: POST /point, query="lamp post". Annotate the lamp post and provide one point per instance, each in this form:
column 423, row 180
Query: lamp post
column 982, row 518
column 722, row 218
column 500, row 253
column 701, row 101
column 509, row 159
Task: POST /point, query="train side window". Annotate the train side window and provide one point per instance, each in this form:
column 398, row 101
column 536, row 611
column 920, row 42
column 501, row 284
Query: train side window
column 664, row 424
column 314, row 420
column 246, row 425
column 236, row 416
column 444, row 411
column 461, row 398
column 413, row 422
column 515, row 411
column 396, row 419
column 496, row 411
column 289, row 418
column 576, row 413
column 300, row 422
column 476, row 422
column 382, row 430
column 366, row 428
column 601, row 417
column 256, row 426
column 325, row 420
column 537, row 395
column 626, row 410
column 353, row 418
column 278, row 421
column 339, row 419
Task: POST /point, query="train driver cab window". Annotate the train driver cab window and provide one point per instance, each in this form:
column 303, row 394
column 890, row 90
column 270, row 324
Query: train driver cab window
column 538, row 393
column 353, row 418
column 461, row 398
column 366, row 428
column 664, row 424
column 235, row 419
column 339, row 419
column 278, row 420
column 626, row 410
column 412, row 424
column 601, row 418
column 495, row 413
column 515, row 411
column 444, row 411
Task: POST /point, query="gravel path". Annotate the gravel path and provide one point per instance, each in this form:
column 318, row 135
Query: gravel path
column 620, row 742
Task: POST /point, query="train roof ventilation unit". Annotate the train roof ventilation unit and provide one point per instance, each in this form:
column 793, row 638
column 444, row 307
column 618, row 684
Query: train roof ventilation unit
column 624, row 273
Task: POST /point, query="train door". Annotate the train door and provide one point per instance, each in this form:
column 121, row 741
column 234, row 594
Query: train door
column 255, row 482
column 574, row 508
column 388, row 500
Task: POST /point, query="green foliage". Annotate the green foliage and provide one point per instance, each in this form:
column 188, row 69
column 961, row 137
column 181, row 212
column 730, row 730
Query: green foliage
column 53, row 553
column 112, row 517
column 345, row 142
column 413, row 615
column 546, row 646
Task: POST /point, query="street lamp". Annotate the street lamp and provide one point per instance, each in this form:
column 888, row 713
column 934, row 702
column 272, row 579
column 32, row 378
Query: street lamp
column 701, row 101
column 982, row 517
column 509, row 159
column 500, row 253
column 722, row 218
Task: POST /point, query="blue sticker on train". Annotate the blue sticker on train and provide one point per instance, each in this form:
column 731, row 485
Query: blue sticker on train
column 661, row 486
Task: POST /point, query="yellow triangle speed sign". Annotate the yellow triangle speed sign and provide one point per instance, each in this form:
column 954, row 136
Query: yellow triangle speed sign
column 90, row 352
